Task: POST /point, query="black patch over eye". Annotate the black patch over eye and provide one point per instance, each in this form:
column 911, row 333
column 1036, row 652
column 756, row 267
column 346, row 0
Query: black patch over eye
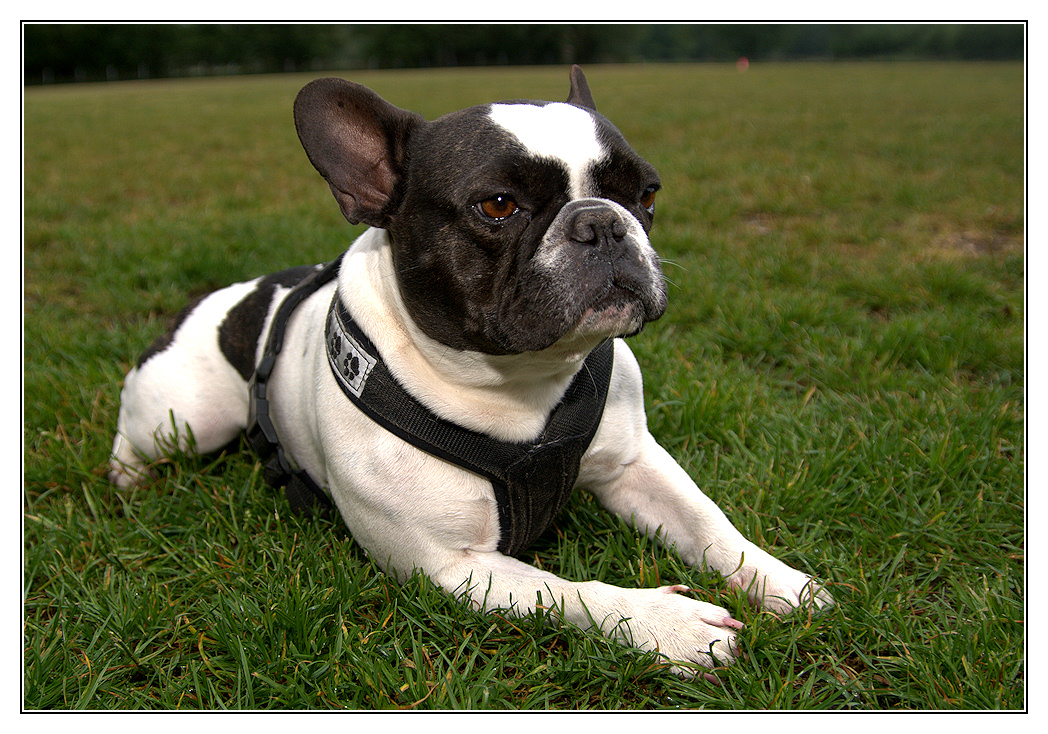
column 498, row 207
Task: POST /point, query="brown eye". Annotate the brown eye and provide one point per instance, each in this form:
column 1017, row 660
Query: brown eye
column 647, row 199
column 498, row 207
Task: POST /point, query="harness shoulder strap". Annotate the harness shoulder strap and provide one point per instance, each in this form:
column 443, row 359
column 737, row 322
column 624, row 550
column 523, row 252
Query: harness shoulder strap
column 302, row 492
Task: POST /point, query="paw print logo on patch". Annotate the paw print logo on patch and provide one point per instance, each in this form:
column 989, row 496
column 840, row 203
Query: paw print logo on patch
column 350, row 363
column 350, row 367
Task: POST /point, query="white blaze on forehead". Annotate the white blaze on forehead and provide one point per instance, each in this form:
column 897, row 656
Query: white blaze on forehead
column 554, row 130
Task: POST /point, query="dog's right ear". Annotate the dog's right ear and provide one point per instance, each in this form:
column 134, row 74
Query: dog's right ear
column 580, row 92
column 358, row 141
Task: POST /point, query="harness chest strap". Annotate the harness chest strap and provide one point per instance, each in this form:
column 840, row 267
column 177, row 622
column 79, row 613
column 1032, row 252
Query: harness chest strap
column 532, row 481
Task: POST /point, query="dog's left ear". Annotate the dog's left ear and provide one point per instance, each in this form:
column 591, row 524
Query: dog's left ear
column 358, row 142
column 580, row 91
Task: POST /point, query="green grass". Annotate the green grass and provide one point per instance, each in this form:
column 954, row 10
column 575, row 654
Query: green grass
column 841, row 368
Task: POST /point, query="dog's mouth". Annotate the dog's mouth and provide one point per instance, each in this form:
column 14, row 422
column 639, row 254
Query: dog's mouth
column 620, row 318
column 620, row 312
column 618, row 307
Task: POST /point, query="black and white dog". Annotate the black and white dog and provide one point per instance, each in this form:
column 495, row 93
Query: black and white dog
column 460, row 369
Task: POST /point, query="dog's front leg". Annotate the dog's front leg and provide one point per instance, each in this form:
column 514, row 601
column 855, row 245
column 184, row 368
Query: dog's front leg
column 443, row 523
column 659, row 497
column 682, row 629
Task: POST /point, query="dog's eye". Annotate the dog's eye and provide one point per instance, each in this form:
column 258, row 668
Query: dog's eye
column 498, row 207
column 647, row 199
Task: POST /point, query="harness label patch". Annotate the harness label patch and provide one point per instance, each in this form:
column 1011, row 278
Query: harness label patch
column 350, row 363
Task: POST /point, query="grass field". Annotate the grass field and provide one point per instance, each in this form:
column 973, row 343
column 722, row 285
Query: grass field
column 841, row 368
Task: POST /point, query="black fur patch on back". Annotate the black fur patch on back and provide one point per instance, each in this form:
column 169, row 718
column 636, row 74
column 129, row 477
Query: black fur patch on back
column 240, row 330
column 165, row 341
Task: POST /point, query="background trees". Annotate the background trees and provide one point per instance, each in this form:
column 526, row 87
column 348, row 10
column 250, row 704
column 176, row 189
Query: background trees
column 94, row 52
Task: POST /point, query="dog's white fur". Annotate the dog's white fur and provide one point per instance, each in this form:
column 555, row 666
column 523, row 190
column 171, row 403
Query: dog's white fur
column 556, row 130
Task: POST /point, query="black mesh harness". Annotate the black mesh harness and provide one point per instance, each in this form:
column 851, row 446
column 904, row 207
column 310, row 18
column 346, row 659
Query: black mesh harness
column 532, row 481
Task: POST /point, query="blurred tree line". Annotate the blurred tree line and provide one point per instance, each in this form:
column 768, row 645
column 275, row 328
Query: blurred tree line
column 93, row 52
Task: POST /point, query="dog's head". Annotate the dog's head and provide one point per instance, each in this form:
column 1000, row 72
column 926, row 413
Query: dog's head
column 514, row 225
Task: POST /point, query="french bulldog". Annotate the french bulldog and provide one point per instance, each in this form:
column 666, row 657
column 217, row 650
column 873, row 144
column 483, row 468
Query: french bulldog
column 506, row 259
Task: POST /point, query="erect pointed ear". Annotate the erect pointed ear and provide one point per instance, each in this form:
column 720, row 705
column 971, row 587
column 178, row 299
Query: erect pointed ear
column 580, row 91
column 358, row 141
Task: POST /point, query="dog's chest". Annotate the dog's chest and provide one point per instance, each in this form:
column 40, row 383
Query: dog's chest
column 532, row 482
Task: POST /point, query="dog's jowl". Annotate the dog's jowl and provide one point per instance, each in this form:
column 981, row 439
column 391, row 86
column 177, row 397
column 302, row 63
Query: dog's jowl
column 460, row 370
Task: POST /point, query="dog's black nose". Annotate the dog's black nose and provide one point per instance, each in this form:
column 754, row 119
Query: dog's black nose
column 596, row 225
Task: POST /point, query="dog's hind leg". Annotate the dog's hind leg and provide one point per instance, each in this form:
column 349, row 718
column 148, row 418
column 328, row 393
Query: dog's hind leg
column 154, row 421
column 184, row 394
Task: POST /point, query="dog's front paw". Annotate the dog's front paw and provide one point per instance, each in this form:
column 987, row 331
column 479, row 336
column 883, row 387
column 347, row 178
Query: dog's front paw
column 681, row 629
column 772, row 585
